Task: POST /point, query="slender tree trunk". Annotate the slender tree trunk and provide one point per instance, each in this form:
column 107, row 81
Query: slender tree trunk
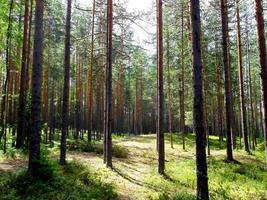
column 201, row 140
column 78, row 96
column 243, row 114
column 35, row 135
column 90, row 81
column 227, row 74
column 263, row 63
column 219, row 98
column 22, row 95
column 65, row 106
column 4, row 93
column 108, row 120
column 160, row 102
column 169, row 87
column 182, row 84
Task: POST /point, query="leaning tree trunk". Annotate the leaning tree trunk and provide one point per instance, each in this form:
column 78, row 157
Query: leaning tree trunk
column 227, row 74
column 202, row 176
column 35, row 135
column 65, row 105
column 263, row 63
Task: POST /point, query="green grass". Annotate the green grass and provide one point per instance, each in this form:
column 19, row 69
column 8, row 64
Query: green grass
column 244, row 180
column 73, row 181
column 97, row 147
column 136, row 175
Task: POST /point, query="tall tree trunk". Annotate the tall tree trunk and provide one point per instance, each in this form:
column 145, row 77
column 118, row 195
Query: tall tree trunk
column 108, row 119
column 160, row 102
column 65, row 106
column 263, row 63
column 182, row 84
column 227, row 74
column 35, row 135
column 4, row 92
column 243, row 114
column 90, row 77
column 78, row 96
column 219, row 98
column 22, row 94
column 169, row 87
column 201, row 141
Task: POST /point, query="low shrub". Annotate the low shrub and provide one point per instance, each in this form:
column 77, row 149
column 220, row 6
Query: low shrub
column 79, row 145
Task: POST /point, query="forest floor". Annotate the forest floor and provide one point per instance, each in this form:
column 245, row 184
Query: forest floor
column 136, row 178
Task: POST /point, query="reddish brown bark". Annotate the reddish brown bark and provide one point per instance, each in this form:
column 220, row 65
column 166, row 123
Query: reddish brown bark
column 22, row 95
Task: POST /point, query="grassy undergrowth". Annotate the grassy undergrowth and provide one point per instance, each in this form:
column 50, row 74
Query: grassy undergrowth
column 97, row 147
column 136, row 176
column 242, row 180
column 73, row 181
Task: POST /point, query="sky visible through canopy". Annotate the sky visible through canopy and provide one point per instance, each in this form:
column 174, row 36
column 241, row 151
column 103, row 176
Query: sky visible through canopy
column 142, row 29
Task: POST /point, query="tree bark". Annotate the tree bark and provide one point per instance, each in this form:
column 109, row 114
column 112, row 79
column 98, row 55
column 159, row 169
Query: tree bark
column 22, row 95
column 243, row 114
column 201, row 162
column 227, row 74
column 108, row 120
column 90, row 77
column 160, row 102
column 169, row 88
column 182, row 84
column 35, row 135
column 65, row 106
column 263, row 63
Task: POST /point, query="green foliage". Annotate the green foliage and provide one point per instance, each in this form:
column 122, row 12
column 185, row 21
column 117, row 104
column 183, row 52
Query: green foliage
column 73, row 181
column 242, row 180
column 97, row 147
column 183, row 196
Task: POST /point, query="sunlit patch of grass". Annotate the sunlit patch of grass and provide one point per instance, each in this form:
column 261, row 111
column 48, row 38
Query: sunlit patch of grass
column 244, row 180
column 97, row 147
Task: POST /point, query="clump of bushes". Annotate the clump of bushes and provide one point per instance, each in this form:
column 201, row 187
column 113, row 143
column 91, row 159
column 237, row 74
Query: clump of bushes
column 79, row 145
column 72, row 181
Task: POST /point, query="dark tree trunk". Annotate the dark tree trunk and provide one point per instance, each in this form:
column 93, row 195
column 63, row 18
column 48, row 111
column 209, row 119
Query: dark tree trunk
column 35, row 136
column 202, row 176
column 227, row 74
column 160, row 102
column 65, row 105
column 108, row 119
column 263, row 63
